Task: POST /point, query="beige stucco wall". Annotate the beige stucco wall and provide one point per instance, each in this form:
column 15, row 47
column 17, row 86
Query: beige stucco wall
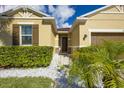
column 46, row 33
column 75, row 37
column 96, row 21
column 100, row 21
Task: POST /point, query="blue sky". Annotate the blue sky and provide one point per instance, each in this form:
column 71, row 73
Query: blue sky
column 65, row 15
column 82, row 9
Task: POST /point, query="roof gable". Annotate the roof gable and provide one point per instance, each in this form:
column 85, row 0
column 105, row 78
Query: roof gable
column 94, row 12
column 106, row 9
column 24, row 9
column 109, row 9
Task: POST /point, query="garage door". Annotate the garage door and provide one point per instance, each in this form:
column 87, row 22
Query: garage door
column 98, row 38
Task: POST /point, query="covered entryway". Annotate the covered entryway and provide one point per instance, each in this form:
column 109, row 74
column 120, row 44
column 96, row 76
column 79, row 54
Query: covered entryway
column 63, row 40
column 99, row 37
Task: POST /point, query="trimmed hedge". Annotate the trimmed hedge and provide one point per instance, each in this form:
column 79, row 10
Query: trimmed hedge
column 25, row 56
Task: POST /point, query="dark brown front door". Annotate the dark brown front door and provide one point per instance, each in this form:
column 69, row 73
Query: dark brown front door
column 64, row 44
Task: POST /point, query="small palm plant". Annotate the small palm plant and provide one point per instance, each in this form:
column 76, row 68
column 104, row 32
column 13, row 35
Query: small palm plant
column 99, row 66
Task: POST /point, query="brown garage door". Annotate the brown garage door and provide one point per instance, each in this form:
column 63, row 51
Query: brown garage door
column 98, row 38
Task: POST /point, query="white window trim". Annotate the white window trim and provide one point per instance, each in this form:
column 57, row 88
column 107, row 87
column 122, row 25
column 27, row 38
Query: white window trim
column 20, row 33
column 102, row 31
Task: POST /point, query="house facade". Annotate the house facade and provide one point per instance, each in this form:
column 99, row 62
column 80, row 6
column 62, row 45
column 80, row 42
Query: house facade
column 25, row 26
column 106, row 23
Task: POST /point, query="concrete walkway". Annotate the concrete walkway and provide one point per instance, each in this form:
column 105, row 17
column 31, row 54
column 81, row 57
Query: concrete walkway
column 50, row 71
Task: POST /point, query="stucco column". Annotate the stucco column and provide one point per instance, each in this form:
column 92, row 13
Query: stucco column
column 57, row 43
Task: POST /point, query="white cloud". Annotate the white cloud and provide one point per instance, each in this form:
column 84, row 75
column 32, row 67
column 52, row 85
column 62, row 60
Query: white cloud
column 37, row 7
column 51, row 9
column 61, row 13
column 65, row 25
column 40, row 8
column 6, row 7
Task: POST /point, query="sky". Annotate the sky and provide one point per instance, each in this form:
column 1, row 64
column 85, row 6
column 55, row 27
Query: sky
column 64, row 15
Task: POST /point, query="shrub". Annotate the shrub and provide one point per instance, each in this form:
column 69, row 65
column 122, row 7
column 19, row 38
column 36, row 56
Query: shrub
column 98, row 66
column 23, row 56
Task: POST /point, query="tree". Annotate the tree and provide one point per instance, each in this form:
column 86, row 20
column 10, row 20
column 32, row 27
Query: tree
column 99, row 66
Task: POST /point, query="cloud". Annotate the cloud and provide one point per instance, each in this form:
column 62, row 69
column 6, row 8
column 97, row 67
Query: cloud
column 37, row 7
column 6, row 7
column 40, row 8
column 66, row 25
column 51, row 9
column 61, row 13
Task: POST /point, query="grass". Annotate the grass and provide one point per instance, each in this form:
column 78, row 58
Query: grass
column 26, row 82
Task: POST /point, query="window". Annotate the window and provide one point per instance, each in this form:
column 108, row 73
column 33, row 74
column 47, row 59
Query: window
column 25, row 35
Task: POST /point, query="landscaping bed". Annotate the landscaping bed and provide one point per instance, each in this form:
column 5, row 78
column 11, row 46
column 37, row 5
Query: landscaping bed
column 25, row 57
column 98, row 66
column 26, row 82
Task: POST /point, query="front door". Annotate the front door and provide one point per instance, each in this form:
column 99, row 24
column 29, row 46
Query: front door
column 64, row 44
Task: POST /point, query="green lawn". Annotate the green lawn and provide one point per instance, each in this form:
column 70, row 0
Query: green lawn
column 26, row 82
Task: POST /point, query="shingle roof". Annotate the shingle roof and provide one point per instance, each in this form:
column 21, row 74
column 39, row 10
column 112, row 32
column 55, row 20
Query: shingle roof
column 63, row 29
